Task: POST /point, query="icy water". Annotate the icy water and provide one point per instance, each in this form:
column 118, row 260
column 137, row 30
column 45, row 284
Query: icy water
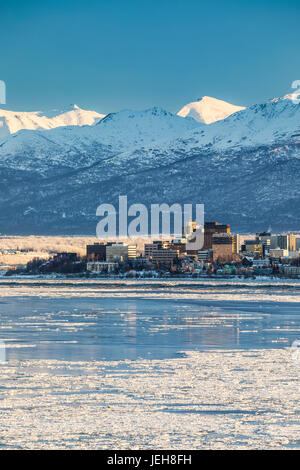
column 149, row 364
column 110, row 320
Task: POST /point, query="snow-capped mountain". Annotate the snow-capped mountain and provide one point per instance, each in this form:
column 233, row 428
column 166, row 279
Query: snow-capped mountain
column 14, row 121
column 131, row 129
column 118, row 132
column 260, row 124
column 245, row 169
column 208, row 110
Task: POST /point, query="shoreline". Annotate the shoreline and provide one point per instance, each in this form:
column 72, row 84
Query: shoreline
column 94, row 277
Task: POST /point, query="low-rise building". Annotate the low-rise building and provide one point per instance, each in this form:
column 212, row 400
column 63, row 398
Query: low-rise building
column 161, row 252
column 119, row 251
column 164, row 256
column 293, row 271
column 253, row 248
column 278, row 253
column 260, row 263
column 101, row 266
column 205, row 255
column 150, row 248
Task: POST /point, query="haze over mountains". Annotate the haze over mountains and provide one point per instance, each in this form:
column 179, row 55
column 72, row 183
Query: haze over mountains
column 245, row 168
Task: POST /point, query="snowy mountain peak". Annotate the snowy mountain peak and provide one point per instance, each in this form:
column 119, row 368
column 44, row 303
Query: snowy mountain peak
column 293, row 97
column 14, row 121
column 208, row 110
column 130, row 128
column 56, row 112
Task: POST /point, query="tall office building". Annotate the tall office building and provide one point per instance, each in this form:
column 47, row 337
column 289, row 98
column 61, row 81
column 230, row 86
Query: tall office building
column 96, row 252
column 225, row 245
column 211, row 228
column 284, row 242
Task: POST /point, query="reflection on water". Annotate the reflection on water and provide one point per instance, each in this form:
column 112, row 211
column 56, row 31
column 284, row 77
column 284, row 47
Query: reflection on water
column 118, row 326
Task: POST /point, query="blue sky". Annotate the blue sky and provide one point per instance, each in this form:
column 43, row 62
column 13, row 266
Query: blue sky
column 115, row 54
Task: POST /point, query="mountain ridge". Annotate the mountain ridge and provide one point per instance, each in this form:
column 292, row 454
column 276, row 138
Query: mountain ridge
column 244, row 169
column 15, row 121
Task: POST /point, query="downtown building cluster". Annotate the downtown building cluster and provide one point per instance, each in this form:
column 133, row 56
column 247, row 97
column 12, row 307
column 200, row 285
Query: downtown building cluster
column 222, row 252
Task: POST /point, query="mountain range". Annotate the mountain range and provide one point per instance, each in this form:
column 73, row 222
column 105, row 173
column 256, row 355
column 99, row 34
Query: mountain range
column 242, row 163
column 14, row 121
